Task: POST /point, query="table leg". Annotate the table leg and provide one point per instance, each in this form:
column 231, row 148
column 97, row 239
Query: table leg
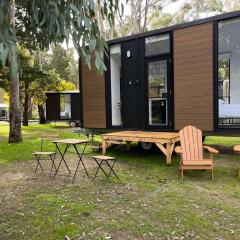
column 111, row 169
column 99, row 167
column 80, row 160
column 128, row 145
column 169, row 151
column 104, row 146
column 38, row 158
column 62, row 158
column 52, row 157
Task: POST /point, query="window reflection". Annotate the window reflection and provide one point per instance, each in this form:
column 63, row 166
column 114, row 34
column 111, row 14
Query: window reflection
column 65, row 106
column 157, row 92
column 155, row 45
column 229, row 73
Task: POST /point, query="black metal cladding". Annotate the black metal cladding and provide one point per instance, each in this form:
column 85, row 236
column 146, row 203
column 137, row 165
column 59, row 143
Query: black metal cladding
column 53, row 107
column 75, row 106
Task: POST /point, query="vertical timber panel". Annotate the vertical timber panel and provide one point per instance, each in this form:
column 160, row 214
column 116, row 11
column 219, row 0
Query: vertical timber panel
column 193, row 77
column 93, row 98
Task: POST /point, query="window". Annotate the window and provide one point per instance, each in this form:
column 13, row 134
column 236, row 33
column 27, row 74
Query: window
column 115, row 69
column 156, row 45
column 229, row 73
column 65, row 106
column 157, row 92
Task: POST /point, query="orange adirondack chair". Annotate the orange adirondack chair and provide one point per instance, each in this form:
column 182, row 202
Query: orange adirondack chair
column 191, row 151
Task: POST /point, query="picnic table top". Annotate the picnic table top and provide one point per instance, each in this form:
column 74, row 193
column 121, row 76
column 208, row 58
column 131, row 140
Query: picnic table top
column 71, row 141
column 143, row 134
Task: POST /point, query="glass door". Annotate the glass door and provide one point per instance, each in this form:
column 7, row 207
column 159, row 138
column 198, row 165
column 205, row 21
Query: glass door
column 158, row 94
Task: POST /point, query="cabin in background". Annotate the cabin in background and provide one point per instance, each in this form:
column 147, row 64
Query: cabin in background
column 64, row 106
column 4, row 112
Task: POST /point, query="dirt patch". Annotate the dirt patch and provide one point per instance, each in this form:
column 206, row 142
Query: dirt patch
column 9, row 177
column 17, row 178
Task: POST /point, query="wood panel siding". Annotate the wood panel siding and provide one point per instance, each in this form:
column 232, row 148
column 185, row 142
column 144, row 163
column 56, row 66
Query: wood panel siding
column 193, row 77
column 93, row 97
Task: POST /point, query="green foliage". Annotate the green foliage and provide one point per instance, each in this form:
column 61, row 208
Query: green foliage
column 195, row 9
column 223, row 69
column 42, row 23
column 58, row 20
column 65, row 85
column 7, row 32
column 37, row 81
column 63, row 62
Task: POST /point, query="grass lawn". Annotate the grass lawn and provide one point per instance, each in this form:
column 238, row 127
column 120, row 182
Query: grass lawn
column 150, row 202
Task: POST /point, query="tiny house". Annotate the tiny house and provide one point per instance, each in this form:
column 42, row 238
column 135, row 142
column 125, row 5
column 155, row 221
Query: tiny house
column 4, row 112
column 63, row 106
column 165, row 79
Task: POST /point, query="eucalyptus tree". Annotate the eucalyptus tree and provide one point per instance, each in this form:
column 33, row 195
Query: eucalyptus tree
column 44, row 23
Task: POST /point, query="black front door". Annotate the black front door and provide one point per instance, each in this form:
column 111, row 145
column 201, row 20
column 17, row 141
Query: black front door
column 130, row 85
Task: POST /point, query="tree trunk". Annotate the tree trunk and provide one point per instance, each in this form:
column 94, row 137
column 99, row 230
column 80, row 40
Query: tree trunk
column 26, row 105
column 42, row 119
column 15, row 134
column 30, row 108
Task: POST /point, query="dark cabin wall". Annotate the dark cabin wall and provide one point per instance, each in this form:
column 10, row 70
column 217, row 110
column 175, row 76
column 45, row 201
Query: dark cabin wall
column 53, row 107
column 93, row 98
column 193, row 77
column 75, row 106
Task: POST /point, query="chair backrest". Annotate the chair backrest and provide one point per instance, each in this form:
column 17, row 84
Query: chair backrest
column 48, row 137
column 191, row 143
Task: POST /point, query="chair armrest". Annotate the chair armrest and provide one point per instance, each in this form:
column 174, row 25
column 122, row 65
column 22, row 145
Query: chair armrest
column 237, row 148
column 178, row 150
column 211, row 150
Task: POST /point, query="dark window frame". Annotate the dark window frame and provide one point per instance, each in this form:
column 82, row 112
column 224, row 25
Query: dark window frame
column 170, row 87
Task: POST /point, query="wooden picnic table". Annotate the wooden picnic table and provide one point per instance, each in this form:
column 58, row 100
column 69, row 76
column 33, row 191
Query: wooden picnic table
column 165, row 141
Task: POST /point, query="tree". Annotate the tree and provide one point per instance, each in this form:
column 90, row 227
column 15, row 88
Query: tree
column 44, row 23
column 63, row 61
column 27, row 75
column 49, row 81
column 136, row 21
column 60, row 61
column 195, row 9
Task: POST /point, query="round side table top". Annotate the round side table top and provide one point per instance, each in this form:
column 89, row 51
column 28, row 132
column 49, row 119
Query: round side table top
column 237, row 148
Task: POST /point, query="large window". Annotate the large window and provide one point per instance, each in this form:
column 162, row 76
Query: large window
column 65, row 106
column 115, row 69
column 229, row 73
